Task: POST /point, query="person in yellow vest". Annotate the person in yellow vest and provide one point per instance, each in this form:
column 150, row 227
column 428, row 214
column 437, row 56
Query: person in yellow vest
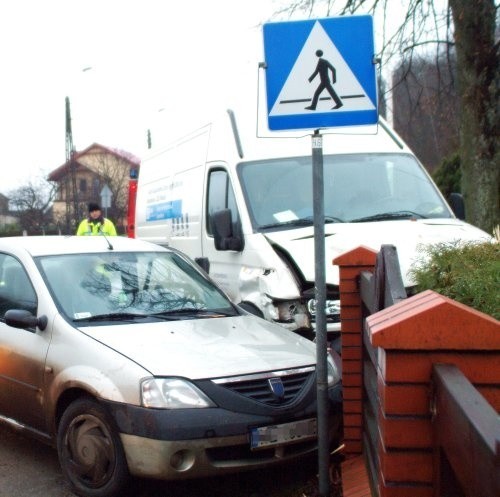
column 95, row 223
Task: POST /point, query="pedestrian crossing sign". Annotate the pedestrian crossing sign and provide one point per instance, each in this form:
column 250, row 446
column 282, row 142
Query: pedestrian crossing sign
column 320, row 73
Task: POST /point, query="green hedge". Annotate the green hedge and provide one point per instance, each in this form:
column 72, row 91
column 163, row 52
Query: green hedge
column 467, row 273
column 448, row 175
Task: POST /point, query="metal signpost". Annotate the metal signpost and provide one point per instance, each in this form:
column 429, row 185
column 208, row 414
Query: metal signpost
column 106, row 195
column 320, row 73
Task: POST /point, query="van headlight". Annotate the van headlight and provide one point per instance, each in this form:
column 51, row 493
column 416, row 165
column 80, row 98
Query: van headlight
column 333, row 373
column 332, row 307
column 173, row 393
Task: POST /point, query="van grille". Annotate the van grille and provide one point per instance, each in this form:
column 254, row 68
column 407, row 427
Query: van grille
column 257, row 387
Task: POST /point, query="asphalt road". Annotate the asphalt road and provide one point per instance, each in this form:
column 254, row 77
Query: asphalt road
column 29, row 468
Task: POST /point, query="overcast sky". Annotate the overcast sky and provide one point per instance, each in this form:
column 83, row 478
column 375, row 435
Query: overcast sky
column 126, row 65
column 148, row 60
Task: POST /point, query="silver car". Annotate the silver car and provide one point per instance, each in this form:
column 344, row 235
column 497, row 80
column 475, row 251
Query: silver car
column 132, row 362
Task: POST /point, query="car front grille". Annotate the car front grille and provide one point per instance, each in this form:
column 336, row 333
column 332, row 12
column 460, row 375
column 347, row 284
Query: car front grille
column 258, row 386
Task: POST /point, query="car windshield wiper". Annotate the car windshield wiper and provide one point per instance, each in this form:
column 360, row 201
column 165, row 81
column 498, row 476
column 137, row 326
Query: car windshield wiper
column 113, row 316
column 390, row 215
column 181, row 313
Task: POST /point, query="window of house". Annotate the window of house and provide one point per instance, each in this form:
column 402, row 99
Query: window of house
column 95, row 188
column 83, row 185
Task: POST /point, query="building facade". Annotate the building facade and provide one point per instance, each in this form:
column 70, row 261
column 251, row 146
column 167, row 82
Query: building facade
column 88, row 177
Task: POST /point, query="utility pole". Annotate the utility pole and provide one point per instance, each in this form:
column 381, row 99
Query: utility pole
column 71, row 177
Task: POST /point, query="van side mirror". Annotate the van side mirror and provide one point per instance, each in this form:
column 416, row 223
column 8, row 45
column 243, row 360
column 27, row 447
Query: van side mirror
column 224, row 236
column 456, row 202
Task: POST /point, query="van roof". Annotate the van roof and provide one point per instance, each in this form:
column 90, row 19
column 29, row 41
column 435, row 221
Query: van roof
column 232, row 136
column 263, row 144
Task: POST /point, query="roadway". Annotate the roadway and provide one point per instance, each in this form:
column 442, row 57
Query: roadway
column 29, row 468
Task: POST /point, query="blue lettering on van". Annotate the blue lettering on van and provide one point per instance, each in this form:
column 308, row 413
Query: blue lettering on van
column 165, row 210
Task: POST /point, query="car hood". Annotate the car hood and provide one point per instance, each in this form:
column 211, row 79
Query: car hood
column 406, row 235
column 207, row 348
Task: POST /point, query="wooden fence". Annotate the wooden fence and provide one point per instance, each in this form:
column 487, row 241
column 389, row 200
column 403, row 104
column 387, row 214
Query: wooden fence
column 421, row 382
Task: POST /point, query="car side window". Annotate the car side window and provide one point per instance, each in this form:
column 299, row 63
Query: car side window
column 16, row 290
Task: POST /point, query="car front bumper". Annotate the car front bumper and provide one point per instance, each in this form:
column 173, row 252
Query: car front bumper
column 192, row 443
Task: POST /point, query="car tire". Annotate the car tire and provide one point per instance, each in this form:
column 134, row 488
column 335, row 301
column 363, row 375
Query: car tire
column 90, row 451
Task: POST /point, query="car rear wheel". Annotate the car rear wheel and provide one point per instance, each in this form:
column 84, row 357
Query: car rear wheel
column 90, row 451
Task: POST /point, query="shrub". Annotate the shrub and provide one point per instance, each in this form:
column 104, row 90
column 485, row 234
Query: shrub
column 467, row 273
column 448, row 175
column 10, row 230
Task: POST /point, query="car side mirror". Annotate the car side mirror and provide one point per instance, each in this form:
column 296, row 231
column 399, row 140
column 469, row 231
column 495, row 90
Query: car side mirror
column 19, row 318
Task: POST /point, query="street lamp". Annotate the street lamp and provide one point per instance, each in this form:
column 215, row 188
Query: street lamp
column 149, row 138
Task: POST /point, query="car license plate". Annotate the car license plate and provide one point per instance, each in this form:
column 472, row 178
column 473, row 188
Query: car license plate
column 267, row 436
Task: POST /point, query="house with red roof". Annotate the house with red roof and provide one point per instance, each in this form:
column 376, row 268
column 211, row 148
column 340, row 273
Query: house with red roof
column 97, row 174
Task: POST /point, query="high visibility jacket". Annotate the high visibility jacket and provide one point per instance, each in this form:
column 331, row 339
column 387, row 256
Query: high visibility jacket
column 106, row 227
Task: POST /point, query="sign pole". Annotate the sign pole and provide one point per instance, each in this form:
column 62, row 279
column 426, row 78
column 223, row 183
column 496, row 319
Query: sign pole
column 320, row 292
column 320, row 52
column 106, row 195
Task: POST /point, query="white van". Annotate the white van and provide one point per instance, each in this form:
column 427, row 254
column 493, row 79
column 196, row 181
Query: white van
column 242, row 207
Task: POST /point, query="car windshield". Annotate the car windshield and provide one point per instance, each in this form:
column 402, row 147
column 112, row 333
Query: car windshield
column 358, row 188
column 118, row 286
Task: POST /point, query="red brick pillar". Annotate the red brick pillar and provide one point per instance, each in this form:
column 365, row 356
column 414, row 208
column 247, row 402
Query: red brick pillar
column 351, row 264
column 410, row 337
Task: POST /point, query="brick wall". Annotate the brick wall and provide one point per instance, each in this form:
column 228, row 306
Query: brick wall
column 407, row 339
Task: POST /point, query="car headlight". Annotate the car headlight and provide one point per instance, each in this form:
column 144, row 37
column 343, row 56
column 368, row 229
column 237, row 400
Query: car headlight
column 333, row 373
column 173, row 393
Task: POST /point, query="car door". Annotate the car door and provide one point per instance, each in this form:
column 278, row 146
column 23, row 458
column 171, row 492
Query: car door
column 22, row 352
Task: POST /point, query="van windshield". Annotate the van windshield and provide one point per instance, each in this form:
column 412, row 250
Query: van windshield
column 358, row 188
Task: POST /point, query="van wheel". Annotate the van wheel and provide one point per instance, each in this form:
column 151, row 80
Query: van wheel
column 251, row 308
column 90, row 451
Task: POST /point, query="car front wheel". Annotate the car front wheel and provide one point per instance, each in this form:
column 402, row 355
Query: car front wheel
column 90, row 451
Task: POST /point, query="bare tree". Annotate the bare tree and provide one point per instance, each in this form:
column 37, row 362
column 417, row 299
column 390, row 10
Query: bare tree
column 479, row 86
column 426, row 109
column 463, row 29
column 31, row 204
